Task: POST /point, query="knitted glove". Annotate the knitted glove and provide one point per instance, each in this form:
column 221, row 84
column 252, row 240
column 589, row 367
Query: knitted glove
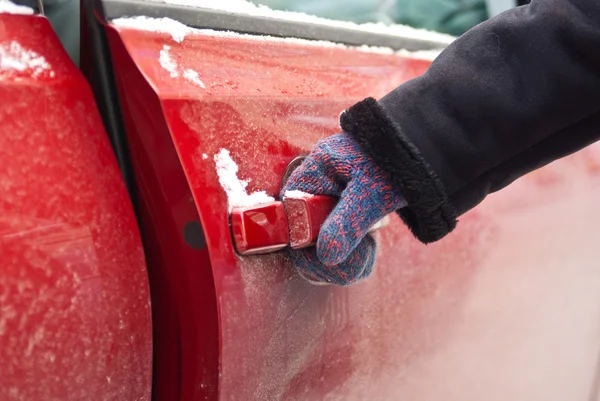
column 345, row 252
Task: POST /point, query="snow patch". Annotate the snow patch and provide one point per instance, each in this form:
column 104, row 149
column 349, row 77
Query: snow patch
column 248, row 8
column 235, row 188
column 176, row 29
column 295, row 194
column 164, row 24
column 167, row 62
column 428, row 55
column 13, row 57
column 204, row 156
column 8, row 7
column 193, row 77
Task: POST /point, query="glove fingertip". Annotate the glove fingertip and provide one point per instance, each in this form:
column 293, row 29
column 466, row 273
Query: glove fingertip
column 332, row 249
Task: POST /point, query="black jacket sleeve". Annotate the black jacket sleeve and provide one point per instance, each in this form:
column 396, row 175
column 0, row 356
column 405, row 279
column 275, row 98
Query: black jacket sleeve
column 509, row 96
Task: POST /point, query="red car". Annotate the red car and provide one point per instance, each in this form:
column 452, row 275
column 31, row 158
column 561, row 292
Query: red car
column 121, row 278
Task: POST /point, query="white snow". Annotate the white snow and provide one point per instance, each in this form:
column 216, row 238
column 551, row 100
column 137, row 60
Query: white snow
column 295, row 194
column 204, row 156
column 248, row 8
column 234, row 187
column 193, row 77
column 165, row 25
column 8, row 7
column 13, row 57
column 429, row 55
column 167, row 62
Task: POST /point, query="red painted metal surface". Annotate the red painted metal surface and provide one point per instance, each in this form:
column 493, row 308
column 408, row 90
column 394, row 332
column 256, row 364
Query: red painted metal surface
column 260, row 229
column 507, row 307
column 306, row 216
column 74, row 302
column 187, row 346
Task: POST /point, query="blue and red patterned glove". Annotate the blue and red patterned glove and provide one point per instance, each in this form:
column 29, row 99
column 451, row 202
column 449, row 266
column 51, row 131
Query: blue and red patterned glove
column 345, row 252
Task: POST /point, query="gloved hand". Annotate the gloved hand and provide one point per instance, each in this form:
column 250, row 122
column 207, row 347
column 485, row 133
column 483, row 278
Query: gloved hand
column 345, row 252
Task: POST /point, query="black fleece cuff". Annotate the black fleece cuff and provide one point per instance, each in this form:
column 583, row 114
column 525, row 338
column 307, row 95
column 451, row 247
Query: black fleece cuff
column 429, row 215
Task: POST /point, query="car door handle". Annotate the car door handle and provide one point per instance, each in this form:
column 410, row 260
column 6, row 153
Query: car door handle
column 293, row 222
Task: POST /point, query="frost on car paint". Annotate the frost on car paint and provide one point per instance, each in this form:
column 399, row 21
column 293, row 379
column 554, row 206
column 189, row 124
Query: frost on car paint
column 75, row 318
column 235, row 188
column 13, row 57
column 425, row 308
column 8, row 7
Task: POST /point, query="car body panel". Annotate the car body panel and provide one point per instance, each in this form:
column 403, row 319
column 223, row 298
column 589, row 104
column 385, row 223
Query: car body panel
column 504, row 308
column 75, row 319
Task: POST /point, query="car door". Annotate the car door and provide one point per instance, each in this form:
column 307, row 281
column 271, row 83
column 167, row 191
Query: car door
column 212, row 105
column 75, row 320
